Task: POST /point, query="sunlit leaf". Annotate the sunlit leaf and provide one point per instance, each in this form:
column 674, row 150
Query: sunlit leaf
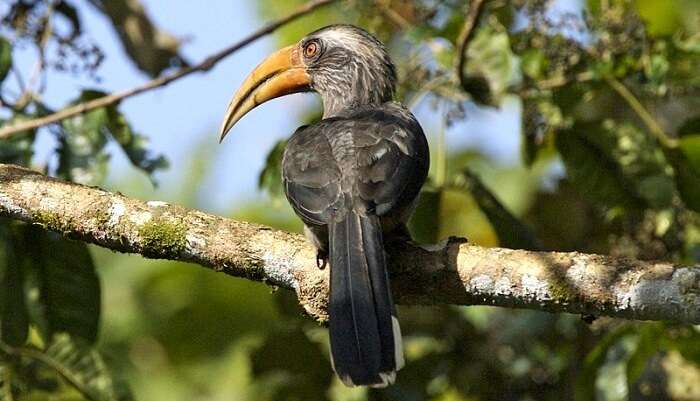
column 512, row 233
column 5, row 58
column 81, row 154
column 425, row 222
column 685, row 341
column 270, row 178
column 534, row 63
column 293, row 32
column 6, row 390
column 134, row 144
column 686, row 162
column 152, row 49
column 662, row 17
column 490, row 58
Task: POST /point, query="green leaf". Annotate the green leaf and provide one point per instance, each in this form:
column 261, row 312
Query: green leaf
column 690, row 127
column 83, row 368
column 641, row 160
column 134, row 144
column 6, row 392
column 17, row 149
column 685, row 340
column 646, row 347
column 511, row 232
column 662, row 17
column 585, row 383
column 304, row 377
column 270, row 179
column 491, row 61
column 14, row 317
column 686, row 163
column 425, row 222
column 81, row 154
column 690, row 145
column 5, row 58
column 534, row 63
column 68, row 285
column 593, row 170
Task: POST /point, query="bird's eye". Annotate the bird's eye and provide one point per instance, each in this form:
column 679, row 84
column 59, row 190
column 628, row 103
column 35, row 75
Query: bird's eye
column 311, row 49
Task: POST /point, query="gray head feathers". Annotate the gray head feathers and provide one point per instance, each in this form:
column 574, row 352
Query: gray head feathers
column 352, row 68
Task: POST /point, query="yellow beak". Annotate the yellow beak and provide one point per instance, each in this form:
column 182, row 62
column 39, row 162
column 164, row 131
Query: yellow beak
column 282, row 73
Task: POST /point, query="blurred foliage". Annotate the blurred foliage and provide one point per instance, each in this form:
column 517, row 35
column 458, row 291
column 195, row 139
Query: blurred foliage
column 151, row 49
column 608, row 92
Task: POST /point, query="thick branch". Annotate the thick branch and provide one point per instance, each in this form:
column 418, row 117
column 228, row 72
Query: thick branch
column 454, row 272
column 206, row 64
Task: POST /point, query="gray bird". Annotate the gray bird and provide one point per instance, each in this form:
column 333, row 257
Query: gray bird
column 353, row 178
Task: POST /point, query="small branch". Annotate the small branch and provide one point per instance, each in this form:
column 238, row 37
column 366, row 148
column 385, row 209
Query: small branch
column 465, row 36
column 205, row 65
column 558, row 82
column 392, row 15
column 642, row 112
column 453, row 272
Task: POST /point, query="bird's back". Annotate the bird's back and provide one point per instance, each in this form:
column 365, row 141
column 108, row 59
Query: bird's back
column 373, row 159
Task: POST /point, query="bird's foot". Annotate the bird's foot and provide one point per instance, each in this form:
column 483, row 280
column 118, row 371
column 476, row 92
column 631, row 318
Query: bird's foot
column 321, row 259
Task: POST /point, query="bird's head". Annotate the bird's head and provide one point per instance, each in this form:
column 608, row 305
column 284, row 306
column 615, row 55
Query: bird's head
column 344, row 64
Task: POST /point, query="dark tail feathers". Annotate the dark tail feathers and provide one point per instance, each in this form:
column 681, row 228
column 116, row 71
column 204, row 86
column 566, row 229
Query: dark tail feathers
column 365, row 335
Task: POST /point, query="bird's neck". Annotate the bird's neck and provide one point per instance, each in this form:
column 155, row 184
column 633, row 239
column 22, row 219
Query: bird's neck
column 339, row 106
column 345, row 94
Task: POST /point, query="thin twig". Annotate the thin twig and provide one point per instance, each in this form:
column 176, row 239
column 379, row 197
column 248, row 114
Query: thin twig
column 391, row 14
column 28, row 91
column 558, row 82
column 466, row 35
column 205, row 65
column 642, row 112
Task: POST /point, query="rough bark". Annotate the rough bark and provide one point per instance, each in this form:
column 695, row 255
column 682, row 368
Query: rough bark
column 453, row 272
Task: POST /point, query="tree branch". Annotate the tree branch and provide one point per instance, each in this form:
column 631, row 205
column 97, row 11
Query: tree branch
column 465, row 36
column 206, row 64
column 452, row 272
column 642, row 112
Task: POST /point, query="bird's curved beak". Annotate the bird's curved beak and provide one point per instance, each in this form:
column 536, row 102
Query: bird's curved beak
column 282, row 73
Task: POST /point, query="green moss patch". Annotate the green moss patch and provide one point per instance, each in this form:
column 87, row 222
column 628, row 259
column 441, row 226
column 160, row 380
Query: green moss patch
column 161, row 238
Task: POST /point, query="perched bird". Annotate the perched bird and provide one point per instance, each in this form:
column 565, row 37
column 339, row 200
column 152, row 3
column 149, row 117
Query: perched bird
column 353, row 178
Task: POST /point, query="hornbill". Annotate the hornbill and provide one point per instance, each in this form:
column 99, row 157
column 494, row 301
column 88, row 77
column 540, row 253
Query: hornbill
column 353, row 178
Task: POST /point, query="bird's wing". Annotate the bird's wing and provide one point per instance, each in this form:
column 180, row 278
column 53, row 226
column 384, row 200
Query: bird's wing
column 310, row 175
column 392, row 159
column 374, row 160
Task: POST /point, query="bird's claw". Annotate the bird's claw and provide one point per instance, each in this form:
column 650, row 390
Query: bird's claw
column 321, row 259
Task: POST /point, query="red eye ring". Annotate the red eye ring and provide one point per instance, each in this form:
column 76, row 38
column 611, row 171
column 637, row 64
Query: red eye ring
column 310, row 49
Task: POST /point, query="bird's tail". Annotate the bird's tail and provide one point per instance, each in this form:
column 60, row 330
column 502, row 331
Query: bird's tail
column 364, row 332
